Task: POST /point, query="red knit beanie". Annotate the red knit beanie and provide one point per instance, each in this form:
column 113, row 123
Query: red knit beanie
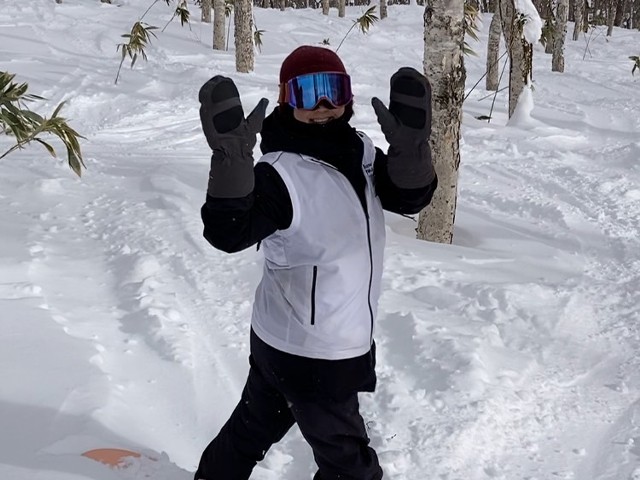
column 310, row 59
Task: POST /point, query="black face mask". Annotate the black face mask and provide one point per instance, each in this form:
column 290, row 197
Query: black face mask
column 335, row 142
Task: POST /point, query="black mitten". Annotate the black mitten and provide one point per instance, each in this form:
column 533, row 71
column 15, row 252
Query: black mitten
column 406, row 125
column 230, row 137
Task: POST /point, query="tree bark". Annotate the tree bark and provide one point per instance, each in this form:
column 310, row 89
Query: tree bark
column 444, row 66
column 611, row 16
column 325, row 7
column 206, row 11
column 559, row 36
column 383, row 9
column 549, row 29
column 620, row 10
column 579, row 15
column 219, row 22
column 243, row 34
column 341, row 8
column 493, row 53
column 548, row 34
column 520, row 53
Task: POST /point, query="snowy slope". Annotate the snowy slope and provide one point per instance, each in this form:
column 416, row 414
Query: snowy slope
column 512, row 354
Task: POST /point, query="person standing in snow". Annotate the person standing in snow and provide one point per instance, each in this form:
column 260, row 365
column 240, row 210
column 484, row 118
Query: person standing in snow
column 314, row 205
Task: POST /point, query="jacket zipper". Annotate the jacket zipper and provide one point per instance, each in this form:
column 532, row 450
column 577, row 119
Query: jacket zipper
column 366, row 216
column 313, row 294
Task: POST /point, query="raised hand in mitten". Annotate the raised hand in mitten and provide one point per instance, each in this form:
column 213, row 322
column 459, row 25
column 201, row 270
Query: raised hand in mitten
column 406, row 125
column 230, row 136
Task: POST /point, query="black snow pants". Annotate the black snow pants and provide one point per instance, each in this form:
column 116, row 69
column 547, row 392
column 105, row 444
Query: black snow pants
column 321, row 396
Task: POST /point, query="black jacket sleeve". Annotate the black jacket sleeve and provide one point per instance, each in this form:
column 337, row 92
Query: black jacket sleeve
column 399, row 200
column 233, row 224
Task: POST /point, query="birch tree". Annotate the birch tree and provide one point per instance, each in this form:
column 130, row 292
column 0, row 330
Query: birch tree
column 383, row 9
column 493, row 53
column 341, row 8
column 611, row 15
column 219, row 20
column 579, row 13
column 444, row 67
column 205, row 5
column 520, row 51
column 243, row 20
column 559, row 36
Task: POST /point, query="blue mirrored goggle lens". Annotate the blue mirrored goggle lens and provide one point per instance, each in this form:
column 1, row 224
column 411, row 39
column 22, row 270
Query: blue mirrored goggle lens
column 306, row 91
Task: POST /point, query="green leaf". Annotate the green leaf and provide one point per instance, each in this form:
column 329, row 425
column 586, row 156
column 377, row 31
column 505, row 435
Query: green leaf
column 27, row 126
column 49, row 148
column 57, row 110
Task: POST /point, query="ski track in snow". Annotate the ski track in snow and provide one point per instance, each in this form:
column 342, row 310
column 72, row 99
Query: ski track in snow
column 510, row 355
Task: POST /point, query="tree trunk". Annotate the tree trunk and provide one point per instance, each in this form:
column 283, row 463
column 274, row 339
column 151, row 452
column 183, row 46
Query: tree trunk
column 559, row 36
column 520, row 53
column 383, row 9
column 572, row 11
column 243, row 33
column 341, row 8
column 611, row 16
column 206, row 11
column 493, row 54
column 548, row 34
column 444, row 67
column 219, row 21
column 325, row 7
column 282, row 4
column 579, row 15
column 620, row 9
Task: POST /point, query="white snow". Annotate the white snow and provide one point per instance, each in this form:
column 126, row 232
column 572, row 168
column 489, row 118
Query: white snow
column 532, row 30
column 512, row 354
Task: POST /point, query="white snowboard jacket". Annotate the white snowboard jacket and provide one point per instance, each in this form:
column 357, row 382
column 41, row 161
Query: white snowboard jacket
column 319, row 292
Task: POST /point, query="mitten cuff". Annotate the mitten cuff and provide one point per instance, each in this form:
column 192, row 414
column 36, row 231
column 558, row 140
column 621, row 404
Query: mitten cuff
column 229, row 179
column 411, row 169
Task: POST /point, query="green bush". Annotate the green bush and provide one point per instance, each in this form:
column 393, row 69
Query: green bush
column 26, row 126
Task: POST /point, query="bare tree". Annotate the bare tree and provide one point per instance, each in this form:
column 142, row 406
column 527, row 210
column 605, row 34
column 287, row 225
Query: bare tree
column 559, row 36
column 325, row 7
column 219, row 21
column 493, row 53
column 243, row 19
column 341, row 8
column 520, row 51
column 205, row 5
column 383, row 9
column 612, row 6
column 548, row 32
column 579, row 13
column 444, row 66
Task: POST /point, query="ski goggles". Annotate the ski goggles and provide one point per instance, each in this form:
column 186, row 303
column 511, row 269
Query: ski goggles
column 306, row 91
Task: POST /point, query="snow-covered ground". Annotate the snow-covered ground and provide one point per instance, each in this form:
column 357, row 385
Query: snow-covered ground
column 511, row 355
